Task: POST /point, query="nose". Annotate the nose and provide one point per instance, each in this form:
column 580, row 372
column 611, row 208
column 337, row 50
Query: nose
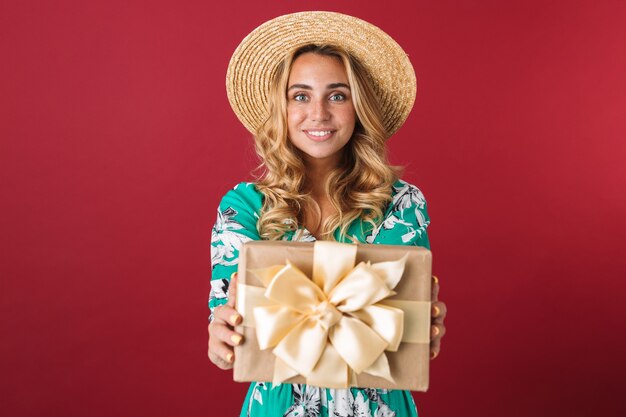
column 319, row 110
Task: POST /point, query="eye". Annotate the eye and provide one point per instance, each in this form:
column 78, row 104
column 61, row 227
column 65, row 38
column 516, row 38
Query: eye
column 300, row 97
column 338, row 97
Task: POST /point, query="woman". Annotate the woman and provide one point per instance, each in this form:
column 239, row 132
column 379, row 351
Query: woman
column 325, row 176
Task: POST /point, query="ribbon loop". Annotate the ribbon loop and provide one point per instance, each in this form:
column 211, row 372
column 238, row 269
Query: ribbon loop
column 360, row 288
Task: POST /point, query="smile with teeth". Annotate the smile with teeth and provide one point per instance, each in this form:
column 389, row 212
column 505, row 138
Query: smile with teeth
column 319, row 133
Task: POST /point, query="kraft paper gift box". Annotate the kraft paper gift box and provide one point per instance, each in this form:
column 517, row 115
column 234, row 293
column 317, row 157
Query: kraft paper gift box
column 294, row 351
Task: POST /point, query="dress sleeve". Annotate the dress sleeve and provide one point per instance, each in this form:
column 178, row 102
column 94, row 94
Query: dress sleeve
column 410, row 218
column 418, row 219
column 236, row 223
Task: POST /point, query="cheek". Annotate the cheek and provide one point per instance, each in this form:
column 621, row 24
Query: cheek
column 293, row 119
column 352, row 120
column 349, row 119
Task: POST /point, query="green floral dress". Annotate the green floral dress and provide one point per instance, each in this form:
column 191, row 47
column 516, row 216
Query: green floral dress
column 404, row 223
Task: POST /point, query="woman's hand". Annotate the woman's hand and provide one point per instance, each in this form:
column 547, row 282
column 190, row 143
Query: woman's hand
column 221, row 334
column 438, row 314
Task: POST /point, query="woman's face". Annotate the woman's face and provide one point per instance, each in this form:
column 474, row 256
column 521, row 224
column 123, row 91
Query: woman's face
column 320, row 113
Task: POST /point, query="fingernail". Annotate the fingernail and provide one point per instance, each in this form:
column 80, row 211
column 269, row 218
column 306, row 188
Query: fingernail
column 433, row 354
column 234, row 319
column 435, row 331
column 233, row 275
column 436, row 311
column 229, row 358
column 435, row 280
column 236, row 338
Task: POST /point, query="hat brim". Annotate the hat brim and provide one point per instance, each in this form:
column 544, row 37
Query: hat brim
column 254, row 62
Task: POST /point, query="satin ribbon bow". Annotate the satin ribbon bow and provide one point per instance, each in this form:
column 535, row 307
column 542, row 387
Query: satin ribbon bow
column 332, row 326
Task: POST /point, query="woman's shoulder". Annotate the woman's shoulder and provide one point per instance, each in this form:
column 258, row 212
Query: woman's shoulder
column 240, row 208
column 406, row 219
column 405, row 195
column 238, row 213
column 244, row 195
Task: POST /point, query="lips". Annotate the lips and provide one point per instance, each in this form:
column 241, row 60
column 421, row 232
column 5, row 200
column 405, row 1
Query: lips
column 319, row 135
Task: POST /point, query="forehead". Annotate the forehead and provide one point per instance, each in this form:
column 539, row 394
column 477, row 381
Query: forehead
column 314, row 67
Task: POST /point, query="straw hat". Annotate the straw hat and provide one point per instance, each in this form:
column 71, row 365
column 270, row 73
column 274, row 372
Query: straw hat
column 254, row 62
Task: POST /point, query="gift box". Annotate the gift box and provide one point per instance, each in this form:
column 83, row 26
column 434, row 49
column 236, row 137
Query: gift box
column 334, row 315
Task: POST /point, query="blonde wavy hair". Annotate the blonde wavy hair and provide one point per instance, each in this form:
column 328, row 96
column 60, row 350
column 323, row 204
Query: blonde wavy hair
column 360, row 187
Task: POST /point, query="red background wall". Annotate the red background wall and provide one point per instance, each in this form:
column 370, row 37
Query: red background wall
column 117, row 142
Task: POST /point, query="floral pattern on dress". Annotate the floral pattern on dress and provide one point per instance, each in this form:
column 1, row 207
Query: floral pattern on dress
column 383, row 409
column 219, row 292
column 301, row 235
column 225, row 240
column 405, row 197
column 257, row 395
column 306, row 402
column 346, row 404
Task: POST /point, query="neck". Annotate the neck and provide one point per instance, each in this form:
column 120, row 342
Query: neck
column 317, row 171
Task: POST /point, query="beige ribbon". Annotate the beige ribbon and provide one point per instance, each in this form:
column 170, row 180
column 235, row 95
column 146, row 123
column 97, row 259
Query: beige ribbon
column 336, row 324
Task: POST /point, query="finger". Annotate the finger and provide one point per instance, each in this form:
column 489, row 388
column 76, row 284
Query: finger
column 438, row 312
column 221, row 354
column 225, row 334
column 434, row 294
column 232, row 290
column 434, row 350
column 435, row 345
column 227, row 314
column 437, row 331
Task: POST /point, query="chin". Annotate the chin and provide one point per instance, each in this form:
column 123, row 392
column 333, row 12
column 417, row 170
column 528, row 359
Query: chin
column 322, row 156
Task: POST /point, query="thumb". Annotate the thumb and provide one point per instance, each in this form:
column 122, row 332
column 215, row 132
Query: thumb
column 232, row 290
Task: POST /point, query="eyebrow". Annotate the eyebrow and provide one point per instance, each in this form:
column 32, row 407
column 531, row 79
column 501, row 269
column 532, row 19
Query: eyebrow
column 328, row 87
